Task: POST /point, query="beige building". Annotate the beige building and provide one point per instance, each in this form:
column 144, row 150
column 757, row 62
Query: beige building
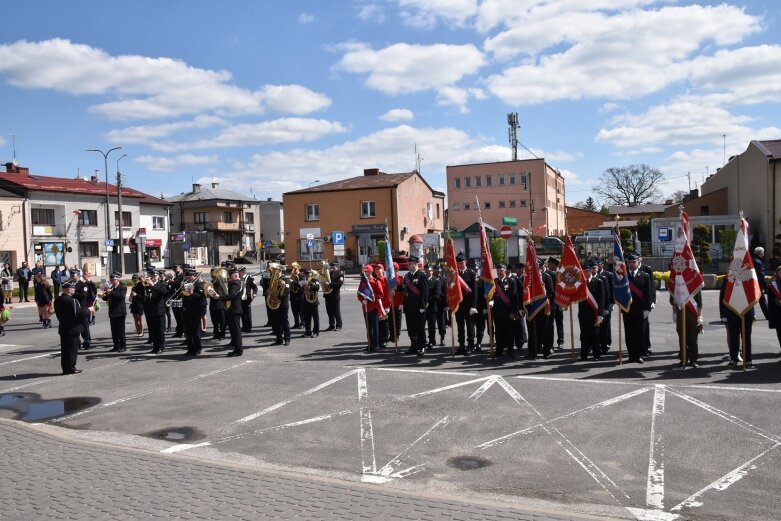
column 357, row 212
column 12, row 228
column 526, row 194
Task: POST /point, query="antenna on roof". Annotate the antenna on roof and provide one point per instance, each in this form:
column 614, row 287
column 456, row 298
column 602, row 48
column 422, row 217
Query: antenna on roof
column 512, row 120
column 418, row 159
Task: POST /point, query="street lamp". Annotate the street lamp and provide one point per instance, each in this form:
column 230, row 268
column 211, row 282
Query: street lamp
column 313, row 182
column 108, row 228
column 120, row 221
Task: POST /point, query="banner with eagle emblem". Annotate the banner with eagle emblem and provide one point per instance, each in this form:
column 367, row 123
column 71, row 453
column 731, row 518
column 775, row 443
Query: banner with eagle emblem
column 571, row 286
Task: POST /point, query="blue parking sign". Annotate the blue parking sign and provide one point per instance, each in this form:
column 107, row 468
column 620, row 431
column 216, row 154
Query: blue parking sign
column 338, row 237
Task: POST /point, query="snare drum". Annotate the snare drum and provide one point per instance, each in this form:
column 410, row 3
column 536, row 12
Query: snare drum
column 176, row 303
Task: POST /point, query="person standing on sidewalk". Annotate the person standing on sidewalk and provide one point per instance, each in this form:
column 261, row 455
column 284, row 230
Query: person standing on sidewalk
column 7, row 281
column 23, row 274
column 774, row 305
column 71, row 317
column 43, row 298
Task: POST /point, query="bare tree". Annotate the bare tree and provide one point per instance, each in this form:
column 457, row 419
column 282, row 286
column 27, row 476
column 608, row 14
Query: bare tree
column 679, row 196
column 629, row 185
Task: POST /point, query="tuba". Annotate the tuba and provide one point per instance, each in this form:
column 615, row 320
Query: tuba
column 295, row 287
column 220, row 281
column 276, row 287
column 325, row 277
column 311, row 287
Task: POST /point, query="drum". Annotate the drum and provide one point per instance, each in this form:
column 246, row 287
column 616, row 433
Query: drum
column 177, row 303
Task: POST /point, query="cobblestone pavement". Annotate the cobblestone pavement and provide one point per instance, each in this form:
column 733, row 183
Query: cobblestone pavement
column 46, row 476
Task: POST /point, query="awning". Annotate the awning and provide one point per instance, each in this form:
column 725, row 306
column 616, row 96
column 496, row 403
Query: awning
column 154, row 243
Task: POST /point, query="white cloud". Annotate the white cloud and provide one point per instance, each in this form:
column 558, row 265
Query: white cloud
column 371, row 13
column 453, row 96
column 306, row 18
column 293, row 99
column 426, row 13
column 404, row 68
column 398, row 115
column 170, row 164
column 147, row 134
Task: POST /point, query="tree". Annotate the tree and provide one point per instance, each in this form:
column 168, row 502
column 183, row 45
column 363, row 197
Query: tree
column 588, row 205
column 679, row 196
column 630, row 185
column 497, row 246
column 644, row 230
column 701, row 243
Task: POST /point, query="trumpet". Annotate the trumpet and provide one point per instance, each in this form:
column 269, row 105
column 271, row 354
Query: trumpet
column 106, row 288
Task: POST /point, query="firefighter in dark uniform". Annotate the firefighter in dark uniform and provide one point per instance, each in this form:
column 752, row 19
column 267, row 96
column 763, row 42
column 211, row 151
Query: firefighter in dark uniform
column 442, row 305
column 548, row 278
column 637, row 316
column 540, row 326
column 482, row 307
column 174, row 285
column 234, row 314
column 557, row 315
column 647, row 326
column 279, row 318
column 504, row 310
column 70, row 316
column 310, row 305
column 192, row 303
column 116, row 296
column 605, row 334
column 520, row 335
column 297, row 282
column 432, row 309
column 248, row 294
column 467, row 309
column 415, row 302
column 85, row 293
column 217, row 314
column 590, row 314
column 333, row 298
column 154, row 295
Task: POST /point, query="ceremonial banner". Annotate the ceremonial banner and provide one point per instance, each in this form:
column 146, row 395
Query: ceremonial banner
column 365, row 291
column 571, row 285
column 453, row 293
column 389, row 264
column 742, row 291
column 534, row 296
column 685, row 276
column 622, row 295
column 486, row 265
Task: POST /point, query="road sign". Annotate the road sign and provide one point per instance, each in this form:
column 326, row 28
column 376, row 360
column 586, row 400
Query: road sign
column 267, row 243
column 310, row 236
column 185, row 246
column 513, row 221
column 339, row 249
column 109, row 243
column 505, row 232
column 338, row 237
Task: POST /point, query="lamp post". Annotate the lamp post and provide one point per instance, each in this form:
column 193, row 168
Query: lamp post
column 313, row 182
column 108, row 228
column 120, row 221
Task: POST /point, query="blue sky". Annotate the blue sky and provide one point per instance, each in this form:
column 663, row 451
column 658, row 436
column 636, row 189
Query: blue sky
column 270, row 96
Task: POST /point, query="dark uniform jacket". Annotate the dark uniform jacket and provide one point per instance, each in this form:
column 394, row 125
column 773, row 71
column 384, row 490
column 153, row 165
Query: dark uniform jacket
column 117, row 307
column 505, row 297
column 70, row 315
column 415, row 299
column 337, row 280
column 470, row 297
column 154, row 299
column 434, row 293
column 235, row 288
column 597, row 288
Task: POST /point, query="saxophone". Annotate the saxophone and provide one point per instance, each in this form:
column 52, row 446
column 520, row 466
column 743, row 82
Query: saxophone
column 325, row 277
column 276, row 287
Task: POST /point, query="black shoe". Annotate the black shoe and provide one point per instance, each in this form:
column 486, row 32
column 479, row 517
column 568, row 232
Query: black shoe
column 75, row 371
column 315, row 334
column 337, row 328
column 154, row 352
column 287, row 342
column 277, row 343
column 411, row 350
column 511, row 353
column 234, row 353
column 121, row 349
column 113, row 350
column 640, row 360
column 331, row 328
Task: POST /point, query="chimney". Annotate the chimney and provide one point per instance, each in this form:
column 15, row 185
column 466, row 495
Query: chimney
column 93, row 179
column 215, row 184
column 12, row 168
column 371, row 171
column 268, row 199
column 668, row 202
column 196, row 188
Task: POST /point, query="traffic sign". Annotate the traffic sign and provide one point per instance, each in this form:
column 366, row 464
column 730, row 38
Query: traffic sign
column 338, row 237
column 310, row 236
column 505, row 232
column 185, row 246
column 267, row 243
column 109, row 243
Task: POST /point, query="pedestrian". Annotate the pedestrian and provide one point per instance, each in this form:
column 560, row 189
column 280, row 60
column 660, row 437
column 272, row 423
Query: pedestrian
column 23, row 275
column 7, row 282
column 774, row 305
column 115, row 294
column 647, row 323
column 384, row 316
column 217, row 310
column 736, row 327
column 333, row 298
column 415, row 302
column 71, row 317
column 636, row 318
column 759, row 267
column 248, row 293
column 466, row 311
column 58, row 275
column 234, row 315
column 137, row 305
column 44, row 299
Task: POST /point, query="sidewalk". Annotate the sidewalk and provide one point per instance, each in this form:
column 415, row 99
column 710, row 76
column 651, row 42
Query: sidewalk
column 49, row 476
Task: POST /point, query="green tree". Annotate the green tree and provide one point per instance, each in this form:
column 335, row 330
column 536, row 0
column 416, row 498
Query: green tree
column 644, row 230
column 627, row 243
column 701, row 243
column 727, row 238
column 588, row 205
column 381, row 253
column 497, row 245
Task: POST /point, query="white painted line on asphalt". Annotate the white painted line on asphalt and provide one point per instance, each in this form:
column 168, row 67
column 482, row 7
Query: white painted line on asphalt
column 642, row 514
column 62, row 377
column 723, row 482
column 285, row 402
column 283, row 426
column 727, row 388
column 388, row 470
column 726, row 416
column 368, row 459
column 421, row 371
column 654, row 495
column 147, row 393
column 52, row 355
column 184, row 446
column 449, row 387
column 483, row 388
column 577, row 380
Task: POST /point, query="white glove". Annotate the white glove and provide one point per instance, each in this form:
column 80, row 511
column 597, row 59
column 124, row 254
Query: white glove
column 724, row 319
column 189, row 286
column 700, row 320
column 599, row 321
column 485, row 312
column 422, row 310
column 653, row 305
column 491, row 304
column 646, row 313
column 473, row 311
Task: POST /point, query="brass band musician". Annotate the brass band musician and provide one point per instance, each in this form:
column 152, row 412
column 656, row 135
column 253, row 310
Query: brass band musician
column 193, row 300
column 154, row 297
column 115, row 295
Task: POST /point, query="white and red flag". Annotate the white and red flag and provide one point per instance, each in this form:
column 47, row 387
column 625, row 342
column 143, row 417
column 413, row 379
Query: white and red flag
column 571, row 285
column 685, row 276
column 742, row 291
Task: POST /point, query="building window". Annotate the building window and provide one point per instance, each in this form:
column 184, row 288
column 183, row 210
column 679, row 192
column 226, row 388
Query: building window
column 456, row 206
column 127, row 220
column 466, row 206
column 704, row 210
column 249, row 218
column 42, row 216
column 501, row 180
column 313, row 253
column 201, row 217
column 523, row 181
column 158, row 223
column 512, row 179
column 458, row 182
column 88, row 218
column 487, row 205
column 227, row 217
column 437, row 210
column 501, row 204
column 368, row 209
column 488, row 180
column 313, row 212
column 512, row 203
column 478, row 181
column 88, row 249
column 467, row 182
column 523, row 203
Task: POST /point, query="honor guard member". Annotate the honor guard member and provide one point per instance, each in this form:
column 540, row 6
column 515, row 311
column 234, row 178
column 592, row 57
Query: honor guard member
column 637, row 316
column 398, row 305
column 605, row 334
column 192, row 304
column 310, row 306
column 217, row 313
column 520, row 335
column 694, row 326
column 174, row 285
column 442, row 305
column 482, row 307
column 84, row 293
column 383, row 312
column 590, row 314
column 550, row 325
column 541, row 326
column 297, row 281
column 557, row 315
column 234, row 314
column 433, row 308
column 735, row 331
column 248, row 294
column 70, row 316
column 279, row 318
column 467, row 309
column 504, row 310
column 116, row 295
column 332, row 299
column 154, row 298
column 415, row 302
column 647, row 326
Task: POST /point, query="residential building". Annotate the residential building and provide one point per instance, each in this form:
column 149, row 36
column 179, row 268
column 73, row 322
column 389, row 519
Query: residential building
column 65, row 221
column 358, row 212
column 210, row 225
column 272, row 224
column 527, row 193
column 580, row 220
column 12, row 228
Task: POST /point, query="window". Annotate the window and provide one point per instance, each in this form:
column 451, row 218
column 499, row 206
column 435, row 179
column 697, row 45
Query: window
column 501, row 204
column 437, row 210
column 313, row 212
column 201, row 217
column 488, row 180
column 458, row 182
column 158, row 223
column 88, row 218
column 478, row 180
column 487, row 205
column 456, row 206
column 368, row 209
column 512, row 203
column 227, row 217
column 127, row 220
column 501, row 180
column 88, row 249
column 523, row 181
column 512, row 179
column 313, row 253
column 466, row 206
column 467, row 182
column 523, row 203
column 704, row 210
column 249, row 218
column 42, row 216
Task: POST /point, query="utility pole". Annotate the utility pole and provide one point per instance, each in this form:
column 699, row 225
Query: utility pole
column 120, row 221
column 108, row 228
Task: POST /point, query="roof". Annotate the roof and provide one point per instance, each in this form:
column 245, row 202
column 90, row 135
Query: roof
column 640, row 208
column 363, row 182
column 770, row 148
column 622, row 224
column 211, row 193
column 41, row 183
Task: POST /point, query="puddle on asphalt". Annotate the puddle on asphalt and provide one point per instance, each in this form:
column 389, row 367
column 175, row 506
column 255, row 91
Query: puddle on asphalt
column 468, row 462
column 30, row 407
column 177, row 434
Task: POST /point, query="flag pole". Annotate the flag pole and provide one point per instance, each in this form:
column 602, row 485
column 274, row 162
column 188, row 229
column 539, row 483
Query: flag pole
column 488, row 251
column 571, row 333
column 452, row 334
column 393, row 318
column 683, row 336
column 743, row 339
column 366, row 323
column 620, row 313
